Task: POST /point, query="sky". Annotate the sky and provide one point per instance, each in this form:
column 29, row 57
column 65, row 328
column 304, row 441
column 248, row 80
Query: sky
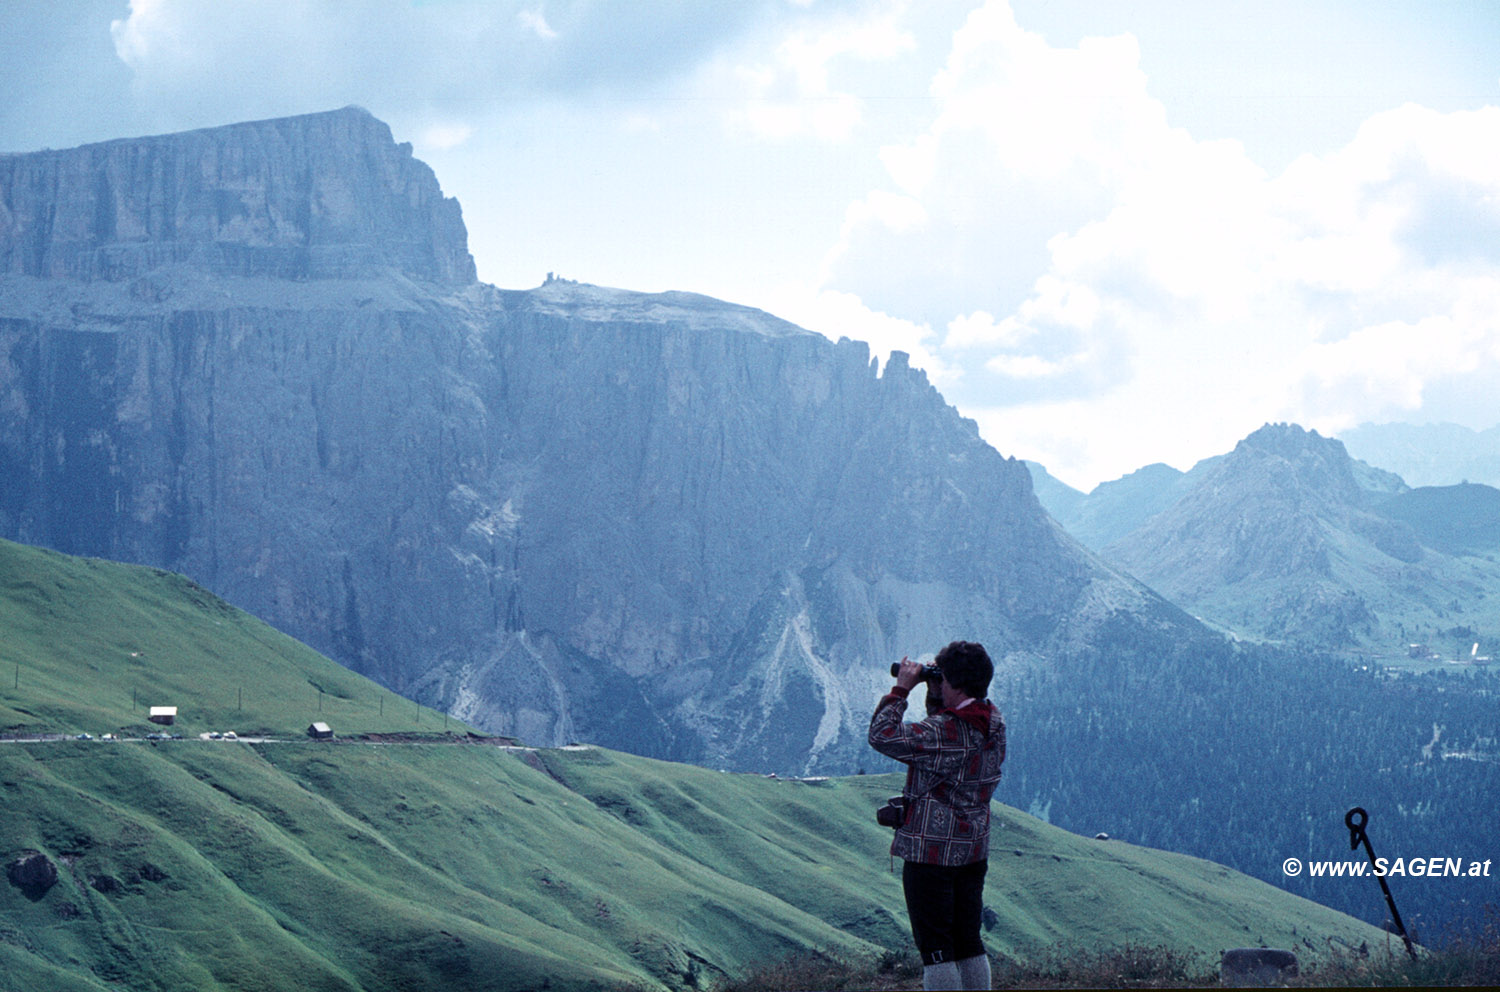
column 1113, row 233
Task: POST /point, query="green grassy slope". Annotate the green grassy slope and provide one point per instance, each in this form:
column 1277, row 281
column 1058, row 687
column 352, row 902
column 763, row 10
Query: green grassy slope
column 224, row 865
column 816, row 845
column 90, row 645
column 204, row 865
column 219, row 865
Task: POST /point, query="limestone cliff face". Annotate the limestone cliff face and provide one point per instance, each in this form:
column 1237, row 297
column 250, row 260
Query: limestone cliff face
column 663, row 523
column 305, row 197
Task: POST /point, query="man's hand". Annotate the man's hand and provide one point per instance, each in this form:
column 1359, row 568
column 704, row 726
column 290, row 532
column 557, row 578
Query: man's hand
column 909, row 674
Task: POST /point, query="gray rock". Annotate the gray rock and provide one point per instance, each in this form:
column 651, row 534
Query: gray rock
column 33, row 873
column 298, row 198
column 662, row 523
column 1256, row 967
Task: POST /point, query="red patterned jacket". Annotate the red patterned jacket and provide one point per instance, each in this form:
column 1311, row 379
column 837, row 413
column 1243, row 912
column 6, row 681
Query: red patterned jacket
column 953, row 763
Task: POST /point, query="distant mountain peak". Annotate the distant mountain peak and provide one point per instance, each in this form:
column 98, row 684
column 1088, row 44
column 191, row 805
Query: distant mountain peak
column 317, row 196
column 1292, row 441
column 1281, row 436
column 1291, row 538
column 1314, row 464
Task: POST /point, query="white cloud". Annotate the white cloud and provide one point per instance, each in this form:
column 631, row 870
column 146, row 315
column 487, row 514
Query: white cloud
column 978, row 328
column 1026, row 366
column 535, row 21
column 147, row 29
column 891, row 211
column 793, row 94
column 446, row 135
column 830, row 115
column 1156, row 297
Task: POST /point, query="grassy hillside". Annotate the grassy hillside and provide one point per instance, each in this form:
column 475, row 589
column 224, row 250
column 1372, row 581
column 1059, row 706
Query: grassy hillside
column 90, row 645
column 218, row 865
column 358, row 865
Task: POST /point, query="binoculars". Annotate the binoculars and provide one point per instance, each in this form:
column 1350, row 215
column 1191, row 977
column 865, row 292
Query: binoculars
column 929, row 672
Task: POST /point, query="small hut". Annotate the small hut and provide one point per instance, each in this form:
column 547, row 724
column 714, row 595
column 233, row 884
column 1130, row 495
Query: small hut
column 164, row 715
column 320, row 732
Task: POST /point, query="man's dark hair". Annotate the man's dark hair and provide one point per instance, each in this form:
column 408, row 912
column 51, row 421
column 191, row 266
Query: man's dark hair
column 967, row 667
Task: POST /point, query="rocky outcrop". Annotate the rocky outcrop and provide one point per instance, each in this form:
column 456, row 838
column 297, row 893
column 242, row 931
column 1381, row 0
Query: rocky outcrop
column 324, row 195
column 662, row 523
column 33, row 873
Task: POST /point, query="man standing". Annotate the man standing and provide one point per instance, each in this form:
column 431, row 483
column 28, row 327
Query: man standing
column 953, row 761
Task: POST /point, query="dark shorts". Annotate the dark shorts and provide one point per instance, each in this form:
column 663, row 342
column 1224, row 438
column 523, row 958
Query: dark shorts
column 945, row 905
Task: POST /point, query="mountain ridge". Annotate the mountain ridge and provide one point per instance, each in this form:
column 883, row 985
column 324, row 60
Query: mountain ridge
column 1287, row 537
column 566, row 512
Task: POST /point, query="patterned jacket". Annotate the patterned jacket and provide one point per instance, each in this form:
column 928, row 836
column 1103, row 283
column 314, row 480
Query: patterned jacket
column 953, row 761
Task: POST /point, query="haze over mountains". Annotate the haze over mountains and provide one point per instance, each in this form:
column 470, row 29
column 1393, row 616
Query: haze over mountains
column 257, row 355
column 1429, row 454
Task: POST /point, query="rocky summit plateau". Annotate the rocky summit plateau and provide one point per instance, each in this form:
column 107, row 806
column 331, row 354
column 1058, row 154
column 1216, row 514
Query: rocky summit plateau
column 258, row 355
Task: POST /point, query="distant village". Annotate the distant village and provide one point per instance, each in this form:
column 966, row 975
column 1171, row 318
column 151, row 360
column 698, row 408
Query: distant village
column 1421, row 652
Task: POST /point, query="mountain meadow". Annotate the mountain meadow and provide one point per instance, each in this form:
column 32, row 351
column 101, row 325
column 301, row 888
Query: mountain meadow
column 402, row 856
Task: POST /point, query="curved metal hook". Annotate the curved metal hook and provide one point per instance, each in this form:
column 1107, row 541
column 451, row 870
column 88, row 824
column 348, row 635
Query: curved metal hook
column 1355, row 820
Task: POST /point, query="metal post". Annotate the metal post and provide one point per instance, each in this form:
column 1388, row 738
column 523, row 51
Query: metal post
column 1355, row 820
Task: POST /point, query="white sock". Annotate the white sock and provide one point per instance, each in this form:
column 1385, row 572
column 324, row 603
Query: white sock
column 974, row 972
column 940, row 976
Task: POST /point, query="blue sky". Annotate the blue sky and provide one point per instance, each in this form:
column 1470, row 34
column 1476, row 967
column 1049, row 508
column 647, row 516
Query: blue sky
column 1113, row 233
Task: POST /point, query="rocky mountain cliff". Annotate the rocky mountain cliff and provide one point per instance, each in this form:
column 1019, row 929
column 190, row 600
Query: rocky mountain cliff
column 322, row 196
column 257, row 355
column 1289, row 538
